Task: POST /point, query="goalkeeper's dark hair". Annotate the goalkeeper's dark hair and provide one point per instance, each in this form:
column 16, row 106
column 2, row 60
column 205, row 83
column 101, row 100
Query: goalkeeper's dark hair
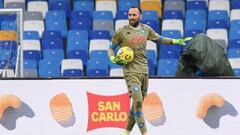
column 139, row 9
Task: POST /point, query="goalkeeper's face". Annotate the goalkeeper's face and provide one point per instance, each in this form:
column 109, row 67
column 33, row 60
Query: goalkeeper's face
column 134, row 17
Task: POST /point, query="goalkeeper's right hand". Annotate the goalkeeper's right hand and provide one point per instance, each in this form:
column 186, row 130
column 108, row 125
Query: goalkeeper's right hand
column 118, row 61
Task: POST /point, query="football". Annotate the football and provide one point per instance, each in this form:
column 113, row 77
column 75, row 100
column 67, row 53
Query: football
column 125, row 53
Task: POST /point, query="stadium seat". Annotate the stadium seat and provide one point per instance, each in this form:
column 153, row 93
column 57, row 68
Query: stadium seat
column 173, row 24
column 8, row 45
column 14, row 5
column 79, row 15
column 55, row 15
column 233, row 53
column 116, row 72
column 218, row 19
column 98, row 44
column 49, row 68
column 235, row 4
column 63, row 5
column 83, row 6
column 234, row 33
column 99, row 34
column 151, row 68
column 52, row 44
column 219, row 5
column 36, row 25
column 32, row 15
column 167, row 67
column 194, row 26
column 125, row 5
column 8, row 25
column 103, row 20
column 57, row 25
column 8, row 35
column 173, row 14
column 72, row 68
column 173, row 5
column 97, row 67
column 106, row 5
column 197, row 5
column 48, row 35
column 100, row 54
column 77, row 45
column 151, row 56
column 53, row 54
column 155, row 5
column 31, row 50
column 30, row 69
column 150, row 15
column 235, row 14
column 120, row 23
column 196, row 14
column 41, row 6
column 234, row 43
column 30, row 35
column 121, row 15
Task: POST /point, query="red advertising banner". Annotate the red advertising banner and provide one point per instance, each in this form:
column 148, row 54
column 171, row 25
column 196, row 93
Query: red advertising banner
column 107, row 111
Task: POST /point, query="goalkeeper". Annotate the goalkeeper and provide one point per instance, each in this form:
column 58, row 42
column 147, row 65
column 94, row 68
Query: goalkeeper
column 135, row 36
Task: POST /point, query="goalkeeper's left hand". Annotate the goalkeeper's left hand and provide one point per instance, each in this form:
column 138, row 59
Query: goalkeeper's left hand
column 181, row 41
column 117, row 60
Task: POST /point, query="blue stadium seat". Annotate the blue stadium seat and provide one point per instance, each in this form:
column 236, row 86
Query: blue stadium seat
column 78, row 15
column 121, row 15
column 5, row 55
column 197, row 5
column 102, row 15
column 8, row 25
column 167, row 51
column 4, row 64
column 234, row 34
column 77, row 35
column 63, row 5
column 55, row 15
column 125, row 5
column 234, row 43
column 52, row 44
column 30, row 68
column 83, row 6
column 171, row 33
column 81, row 24
column 48, row 68
column 218, row 19
column 194, row 26
column 57, row 25
column 235, row 4
column 236, row 72
column 97, row 67
column 196, row 14
column 72, row 68
column 48, row 35
column 53, row 54
column 167, row 67
column 8, row 45
column 99, row 54
column 99, row 34
column 30, row 35
column 173, row 14
column 233, row 53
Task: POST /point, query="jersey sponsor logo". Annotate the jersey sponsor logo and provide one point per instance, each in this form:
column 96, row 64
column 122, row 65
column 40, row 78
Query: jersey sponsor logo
column 137, row 40
column 138, row 49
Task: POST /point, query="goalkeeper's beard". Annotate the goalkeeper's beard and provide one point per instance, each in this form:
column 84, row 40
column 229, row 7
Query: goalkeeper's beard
column 134, row 23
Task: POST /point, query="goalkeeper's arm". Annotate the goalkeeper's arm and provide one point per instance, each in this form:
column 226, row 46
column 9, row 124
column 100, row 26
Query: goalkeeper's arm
column 181, row 41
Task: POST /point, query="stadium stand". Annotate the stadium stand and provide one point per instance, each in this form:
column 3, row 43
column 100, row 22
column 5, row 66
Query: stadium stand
column 75, row 34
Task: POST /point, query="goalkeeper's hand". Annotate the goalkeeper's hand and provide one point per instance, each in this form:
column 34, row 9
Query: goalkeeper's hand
column 117, row 60
column 181, row 41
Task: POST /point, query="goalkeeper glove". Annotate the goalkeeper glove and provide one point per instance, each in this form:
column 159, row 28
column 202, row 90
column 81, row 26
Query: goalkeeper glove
column 181, row 41
column 117, row 60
